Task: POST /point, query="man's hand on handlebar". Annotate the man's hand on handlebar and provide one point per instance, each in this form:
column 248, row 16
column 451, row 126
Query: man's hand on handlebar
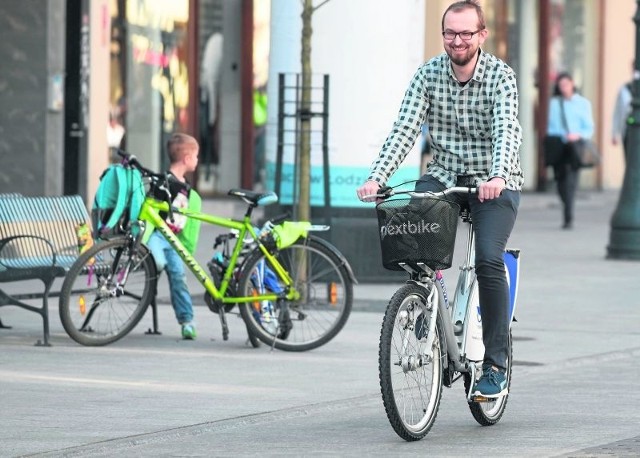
column 491, row 189
column 367, row 192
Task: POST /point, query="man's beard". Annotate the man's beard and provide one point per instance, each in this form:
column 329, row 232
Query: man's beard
column 462, row 60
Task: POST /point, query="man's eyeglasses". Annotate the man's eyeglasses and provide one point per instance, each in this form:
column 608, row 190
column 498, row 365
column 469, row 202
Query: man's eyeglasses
column 450, row 35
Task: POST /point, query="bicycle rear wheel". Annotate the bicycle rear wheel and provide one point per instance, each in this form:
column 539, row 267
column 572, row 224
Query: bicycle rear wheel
column 107, row 291
column 324, row 306
column 410, row 381
column 489, row 413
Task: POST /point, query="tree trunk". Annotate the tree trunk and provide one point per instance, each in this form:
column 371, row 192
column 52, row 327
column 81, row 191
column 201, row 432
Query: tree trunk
column 304, row 146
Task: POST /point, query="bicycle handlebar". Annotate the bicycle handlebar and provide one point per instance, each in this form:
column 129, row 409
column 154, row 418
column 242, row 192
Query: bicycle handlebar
column 385, row 192
column 130, row 159
column 454, row 190
column 160, row 180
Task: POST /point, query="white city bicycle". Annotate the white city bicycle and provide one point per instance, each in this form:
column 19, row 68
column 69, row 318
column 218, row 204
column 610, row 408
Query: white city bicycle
column 429, row 340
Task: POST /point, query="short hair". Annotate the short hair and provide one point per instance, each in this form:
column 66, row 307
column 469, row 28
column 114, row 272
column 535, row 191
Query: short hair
column 176, row 146
column 464, row 5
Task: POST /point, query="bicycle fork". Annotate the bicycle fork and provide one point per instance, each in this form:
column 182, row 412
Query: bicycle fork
column 408, row 320
column 450, row 351
column 112, row 284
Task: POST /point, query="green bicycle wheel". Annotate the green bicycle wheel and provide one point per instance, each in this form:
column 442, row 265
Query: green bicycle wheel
column 326, row 299
column 106, row 292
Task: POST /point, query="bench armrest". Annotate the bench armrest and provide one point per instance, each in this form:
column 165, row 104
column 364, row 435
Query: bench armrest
column 17, row 259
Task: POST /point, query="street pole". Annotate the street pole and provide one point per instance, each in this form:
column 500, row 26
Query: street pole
column 624, row 240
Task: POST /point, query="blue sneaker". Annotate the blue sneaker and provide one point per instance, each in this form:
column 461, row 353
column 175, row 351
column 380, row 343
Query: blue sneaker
column 188, row 331
column 492, row 384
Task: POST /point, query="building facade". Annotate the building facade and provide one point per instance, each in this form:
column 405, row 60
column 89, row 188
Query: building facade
column 80, row 76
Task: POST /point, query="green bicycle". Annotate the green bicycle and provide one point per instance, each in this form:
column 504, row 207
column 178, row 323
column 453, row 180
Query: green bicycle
column 294, row 290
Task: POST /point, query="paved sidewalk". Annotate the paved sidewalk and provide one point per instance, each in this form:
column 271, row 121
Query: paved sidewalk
column 574, row 393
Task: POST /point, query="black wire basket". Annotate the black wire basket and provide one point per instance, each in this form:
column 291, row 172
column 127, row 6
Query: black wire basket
column 417, row 230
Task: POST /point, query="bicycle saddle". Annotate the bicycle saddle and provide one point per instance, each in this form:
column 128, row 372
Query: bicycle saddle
column 257, row 199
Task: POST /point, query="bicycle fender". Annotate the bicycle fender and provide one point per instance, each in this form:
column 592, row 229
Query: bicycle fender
column 339, row 255
column 512, row 267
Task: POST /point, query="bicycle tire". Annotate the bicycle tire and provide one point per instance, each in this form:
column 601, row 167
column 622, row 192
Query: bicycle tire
column 489, row 413
column 114, row 309
column 252, row 339
column 327, row 296
column 411, row 395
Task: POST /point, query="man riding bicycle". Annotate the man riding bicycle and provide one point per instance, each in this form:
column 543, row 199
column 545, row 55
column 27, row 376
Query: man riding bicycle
column 469, row 99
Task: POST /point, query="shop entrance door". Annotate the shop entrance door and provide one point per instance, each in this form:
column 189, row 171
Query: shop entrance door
column 76, row 97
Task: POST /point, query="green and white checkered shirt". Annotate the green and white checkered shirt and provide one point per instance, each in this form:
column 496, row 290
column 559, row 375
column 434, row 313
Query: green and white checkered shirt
column 474, row 127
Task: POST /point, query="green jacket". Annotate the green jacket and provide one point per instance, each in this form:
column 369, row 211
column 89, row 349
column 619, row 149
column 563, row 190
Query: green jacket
column 189, row 235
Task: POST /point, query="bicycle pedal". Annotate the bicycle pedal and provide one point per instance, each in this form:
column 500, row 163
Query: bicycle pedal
column 480, row 398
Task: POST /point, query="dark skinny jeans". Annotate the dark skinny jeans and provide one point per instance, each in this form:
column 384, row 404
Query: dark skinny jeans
column 567, row 176
column 493, row 221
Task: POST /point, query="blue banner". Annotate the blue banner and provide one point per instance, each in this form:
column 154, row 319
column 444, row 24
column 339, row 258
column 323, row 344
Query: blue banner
column 343, row 182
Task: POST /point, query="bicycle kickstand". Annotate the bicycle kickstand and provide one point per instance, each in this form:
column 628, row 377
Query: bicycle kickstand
column 284, row 321
column 223, row 322
column 154, row 317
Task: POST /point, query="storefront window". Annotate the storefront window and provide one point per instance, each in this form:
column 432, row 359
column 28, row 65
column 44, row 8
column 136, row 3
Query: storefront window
column 149, row 74
column 261, row 43
column 500, row 18
column 567, row 43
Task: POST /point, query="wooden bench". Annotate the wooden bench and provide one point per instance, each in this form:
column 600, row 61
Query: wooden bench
column 37, row 242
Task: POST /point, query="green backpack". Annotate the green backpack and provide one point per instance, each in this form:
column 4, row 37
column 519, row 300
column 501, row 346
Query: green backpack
column 118, row 200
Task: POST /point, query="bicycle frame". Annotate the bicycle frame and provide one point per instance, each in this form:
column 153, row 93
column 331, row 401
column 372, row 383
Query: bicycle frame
column 460, row 305
column 150, row 216
column 463, row 335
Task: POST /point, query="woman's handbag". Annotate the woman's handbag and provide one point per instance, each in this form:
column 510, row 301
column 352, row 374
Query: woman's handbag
column 583, row 153
column 553, row 147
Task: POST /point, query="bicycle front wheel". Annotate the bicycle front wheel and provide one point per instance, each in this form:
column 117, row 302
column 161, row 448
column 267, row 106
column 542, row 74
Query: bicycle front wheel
column 326, row 296
column 107, row 291
column 410, row 373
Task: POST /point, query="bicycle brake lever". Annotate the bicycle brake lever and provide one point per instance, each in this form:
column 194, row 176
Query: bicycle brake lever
column 385, row 192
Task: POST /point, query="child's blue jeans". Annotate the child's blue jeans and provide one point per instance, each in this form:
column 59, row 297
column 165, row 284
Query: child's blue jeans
column 168, row 259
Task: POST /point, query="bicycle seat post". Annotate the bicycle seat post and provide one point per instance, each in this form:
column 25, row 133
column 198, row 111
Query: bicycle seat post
column 249, row 211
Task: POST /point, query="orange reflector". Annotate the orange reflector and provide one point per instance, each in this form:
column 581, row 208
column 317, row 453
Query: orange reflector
column 82, row 305
column 256, row 305
column 479, row 398
column 333, row 293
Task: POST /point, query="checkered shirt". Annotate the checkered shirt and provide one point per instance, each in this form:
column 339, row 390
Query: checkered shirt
column 474, row 127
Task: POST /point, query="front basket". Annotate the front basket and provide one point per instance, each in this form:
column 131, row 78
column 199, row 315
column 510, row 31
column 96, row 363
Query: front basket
column 417, row 230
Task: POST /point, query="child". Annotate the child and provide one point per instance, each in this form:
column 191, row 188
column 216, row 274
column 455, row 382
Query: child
column 183, row 157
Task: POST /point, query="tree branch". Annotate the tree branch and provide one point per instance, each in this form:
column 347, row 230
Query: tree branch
column 321, row 4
